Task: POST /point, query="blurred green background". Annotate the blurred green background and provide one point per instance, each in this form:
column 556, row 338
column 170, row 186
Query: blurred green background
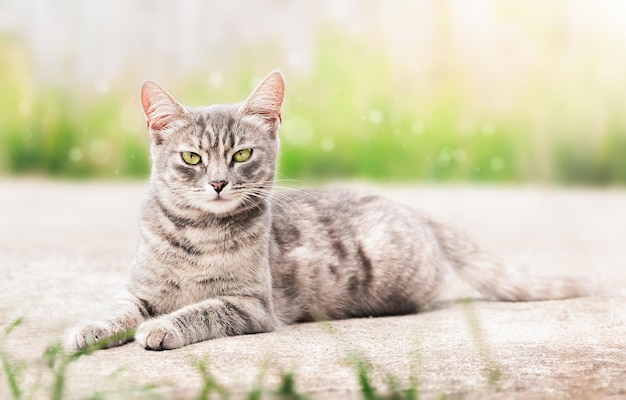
column 430, row 91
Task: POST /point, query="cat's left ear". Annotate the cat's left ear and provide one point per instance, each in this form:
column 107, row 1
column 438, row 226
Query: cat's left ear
column 163, row 113
column 266, row 100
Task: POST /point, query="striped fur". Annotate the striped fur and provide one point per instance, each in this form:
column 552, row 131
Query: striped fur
column 244, row 260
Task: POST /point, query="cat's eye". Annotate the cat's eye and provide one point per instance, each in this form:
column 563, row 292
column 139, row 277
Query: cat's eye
column 190, row 158
column 242, row 155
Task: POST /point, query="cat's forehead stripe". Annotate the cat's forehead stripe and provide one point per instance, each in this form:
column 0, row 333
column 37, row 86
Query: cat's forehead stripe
column 217, row 131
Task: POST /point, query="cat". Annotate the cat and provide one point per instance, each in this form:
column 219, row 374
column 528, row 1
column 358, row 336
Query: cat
column 221, row 254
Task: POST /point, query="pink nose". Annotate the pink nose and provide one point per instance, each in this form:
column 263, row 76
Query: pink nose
column 218, row 185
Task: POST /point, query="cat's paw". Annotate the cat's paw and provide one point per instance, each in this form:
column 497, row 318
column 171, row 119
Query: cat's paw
column 102, row 334
column 159, row 334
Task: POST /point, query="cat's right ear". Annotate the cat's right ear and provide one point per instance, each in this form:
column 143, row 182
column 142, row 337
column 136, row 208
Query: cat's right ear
column 163, row 113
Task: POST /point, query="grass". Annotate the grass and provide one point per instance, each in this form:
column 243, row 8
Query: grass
column 11, row 370
column 57, row 362
column 492, row 370
column 363, row 369
column 209, row 383
column 356, row 115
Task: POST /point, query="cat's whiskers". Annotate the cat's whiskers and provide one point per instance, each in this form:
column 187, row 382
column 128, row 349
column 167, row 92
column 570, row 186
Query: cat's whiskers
column 250, row 202
column 175, row 188
column 249, row 194
column 278, row 200
column 266, row 188
column 286, row 207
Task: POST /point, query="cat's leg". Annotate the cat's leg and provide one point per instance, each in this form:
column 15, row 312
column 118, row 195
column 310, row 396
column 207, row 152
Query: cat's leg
column 209, row 319
column 117, row 328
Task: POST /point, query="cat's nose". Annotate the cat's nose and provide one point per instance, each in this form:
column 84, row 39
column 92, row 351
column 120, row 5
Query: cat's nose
column 218, row 185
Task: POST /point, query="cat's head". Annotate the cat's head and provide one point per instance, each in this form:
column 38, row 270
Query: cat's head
column 217, row 159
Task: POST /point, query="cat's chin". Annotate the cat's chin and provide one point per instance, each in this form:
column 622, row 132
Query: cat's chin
column 222, row 206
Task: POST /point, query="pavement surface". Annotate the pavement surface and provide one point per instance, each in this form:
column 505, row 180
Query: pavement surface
column 65, row 250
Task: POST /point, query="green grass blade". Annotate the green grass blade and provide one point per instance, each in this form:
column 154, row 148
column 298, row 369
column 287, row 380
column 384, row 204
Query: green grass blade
column 287, row 389
column 11, row 375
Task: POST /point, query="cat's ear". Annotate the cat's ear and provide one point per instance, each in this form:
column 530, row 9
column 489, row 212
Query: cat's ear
column 163, row 113
column 266, row 100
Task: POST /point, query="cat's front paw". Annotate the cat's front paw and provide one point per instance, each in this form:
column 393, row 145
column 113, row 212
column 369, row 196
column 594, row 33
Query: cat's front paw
column 102, row 334
column 159, row 334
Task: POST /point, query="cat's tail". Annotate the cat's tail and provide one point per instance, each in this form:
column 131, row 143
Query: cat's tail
column 491, row 277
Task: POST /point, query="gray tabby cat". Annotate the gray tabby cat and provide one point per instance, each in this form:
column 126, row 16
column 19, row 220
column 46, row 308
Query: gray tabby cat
column 219, row 254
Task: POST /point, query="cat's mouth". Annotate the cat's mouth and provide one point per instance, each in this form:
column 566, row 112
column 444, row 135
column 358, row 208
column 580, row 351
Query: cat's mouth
column 220, row 198
column 220, row 203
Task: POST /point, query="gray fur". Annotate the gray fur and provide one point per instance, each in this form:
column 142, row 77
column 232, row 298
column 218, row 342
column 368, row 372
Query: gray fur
column 248, row 260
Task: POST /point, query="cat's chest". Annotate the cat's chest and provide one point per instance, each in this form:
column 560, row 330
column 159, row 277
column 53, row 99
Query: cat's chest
column 177, row 266
column 171, row 286
column 173, row 277
column 197, row 283
column 213, row 244
column 212, row 267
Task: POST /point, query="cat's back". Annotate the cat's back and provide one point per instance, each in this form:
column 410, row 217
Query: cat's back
column 317, row 205
column 340, row 252
column 331, row 214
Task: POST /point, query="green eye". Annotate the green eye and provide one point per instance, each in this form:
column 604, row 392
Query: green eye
column 190, row 158
column 242, row 155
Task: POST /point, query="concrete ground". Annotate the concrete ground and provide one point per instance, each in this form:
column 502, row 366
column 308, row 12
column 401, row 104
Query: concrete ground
column 65, row 250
